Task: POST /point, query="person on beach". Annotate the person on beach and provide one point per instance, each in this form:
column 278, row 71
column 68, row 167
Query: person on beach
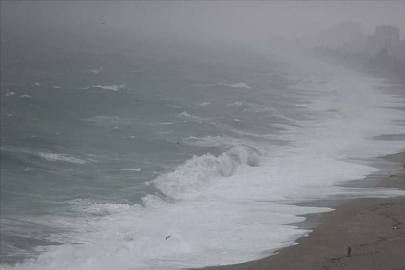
column 349, row 251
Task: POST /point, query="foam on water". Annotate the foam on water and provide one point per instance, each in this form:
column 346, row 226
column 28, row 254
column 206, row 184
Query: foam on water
column 110, row 87
column 107, row 87
column 238, row 85
column 186, row 115
column 237, row 206
column 109, row 121
column 205, row 103
column 95, row 70
column 256, row 108
column 210, row 141
column 133, row 169
column 61, row 157
column 197, row 173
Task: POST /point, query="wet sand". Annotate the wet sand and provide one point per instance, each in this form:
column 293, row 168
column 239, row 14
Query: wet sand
column 373, row 228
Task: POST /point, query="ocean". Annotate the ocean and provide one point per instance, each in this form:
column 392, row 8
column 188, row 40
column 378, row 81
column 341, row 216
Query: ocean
column 120, row 160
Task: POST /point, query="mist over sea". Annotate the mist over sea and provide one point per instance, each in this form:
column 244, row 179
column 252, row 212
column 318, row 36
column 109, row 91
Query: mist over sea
column 153, row 156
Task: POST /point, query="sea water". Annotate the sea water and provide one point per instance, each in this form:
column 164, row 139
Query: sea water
column 117, row 161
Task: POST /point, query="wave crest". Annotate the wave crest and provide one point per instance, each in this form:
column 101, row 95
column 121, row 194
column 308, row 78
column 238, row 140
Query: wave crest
column 61, row 157
column 189, row 178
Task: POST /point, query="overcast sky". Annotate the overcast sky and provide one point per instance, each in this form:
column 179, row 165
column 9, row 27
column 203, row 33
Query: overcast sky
column 211, row 21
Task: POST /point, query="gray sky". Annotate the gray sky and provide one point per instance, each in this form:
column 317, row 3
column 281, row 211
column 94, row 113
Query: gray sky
column 209, row 21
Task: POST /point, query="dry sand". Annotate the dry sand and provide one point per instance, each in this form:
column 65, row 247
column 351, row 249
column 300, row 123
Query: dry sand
column 374, row 228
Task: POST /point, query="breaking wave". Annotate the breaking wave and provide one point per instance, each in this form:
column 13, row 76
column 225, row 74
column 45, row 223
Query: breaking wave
column 188, row 179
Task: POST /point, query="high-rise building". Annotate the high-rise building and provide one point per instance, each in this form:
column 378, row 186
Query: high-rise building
column 387, row 37
column 399, row 52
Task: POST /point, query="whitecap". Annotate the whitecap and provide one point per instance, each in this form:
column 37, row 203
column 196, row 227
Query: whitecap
column 163, row 123
column 205, row 103
column 133, row 169
column 239, row 85
column 107, row 87
column 184, row 114
column 196, row 118
column 61, row 157
column 109, row 121
column 110, row 87
column 210, row 141
column 235, row 104
column 96, row 71
column 236, row 85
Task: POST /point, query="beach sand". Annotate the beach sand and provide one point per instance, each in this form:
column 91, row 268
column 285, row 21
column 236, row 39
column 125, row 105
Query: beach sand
column 373, row 228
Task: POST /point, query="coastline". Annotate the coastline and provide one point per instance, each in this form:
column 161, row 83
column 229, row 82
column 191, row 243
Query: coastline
column 373, row 227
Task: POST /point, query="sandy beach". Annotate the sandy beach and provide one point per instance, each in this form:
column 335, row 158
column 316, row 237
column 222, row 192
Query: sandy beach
column 373, row 228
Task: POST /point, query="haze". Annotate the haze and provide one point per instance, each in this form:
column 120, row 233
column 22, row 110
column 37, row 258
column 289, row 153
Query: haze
column 204, row 22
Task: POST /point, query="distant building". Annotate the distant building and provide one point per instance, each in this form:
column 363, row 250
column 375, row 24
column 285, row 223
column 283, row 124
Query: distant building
column 399, row 51
column 356, row 44
column 387, row 37
column 348, row 37
column 371, row 44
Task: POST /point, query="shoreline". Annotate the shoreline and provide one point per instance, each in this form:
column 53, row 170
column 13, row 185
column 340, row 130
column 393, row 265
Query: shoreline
column 379, row 246
column 313, row 251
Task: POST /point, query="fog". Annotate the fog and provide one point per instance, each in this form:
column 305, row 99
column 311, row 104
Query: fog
column 183, row 134
column 206, row 22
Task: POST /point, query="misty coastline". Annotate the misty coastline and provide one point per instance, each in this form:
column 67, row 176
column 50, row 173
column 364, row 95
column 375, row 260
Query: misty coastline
column 177, row 135
column 380, row 64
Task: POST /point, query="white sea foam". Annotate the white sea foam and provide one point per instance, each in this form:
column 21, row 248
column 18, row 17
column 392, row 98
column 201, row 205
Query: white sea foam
column 163, row 123
column 188, row 179
column 237, row 206
column 239, row 85
column 61, row 157
column 236, row 104
column 236, row 85
column 112, row 122
column 95, row 70
column 110, row 87
column 25, row 96
column 37, row 84
column 9, row 93
column 190, row 116
column 204, row 104
column 107, row 87
column 217, row 122
column 256, row 108
column 211, row 141
column 133, row 169
column 184, row 114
